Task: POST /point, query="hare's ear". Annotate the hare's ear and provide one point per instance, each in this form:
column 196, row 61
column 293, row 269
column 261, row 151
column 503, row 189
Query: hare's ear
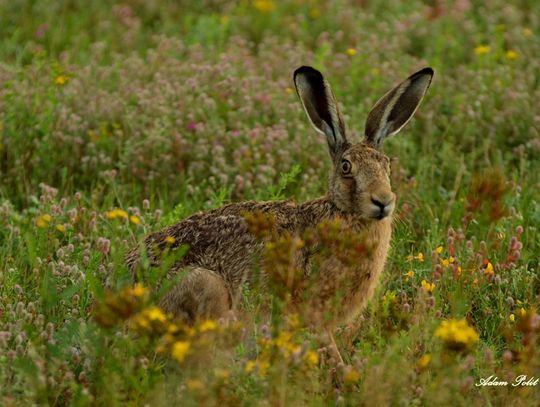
column 321, row 107
column 397, row 107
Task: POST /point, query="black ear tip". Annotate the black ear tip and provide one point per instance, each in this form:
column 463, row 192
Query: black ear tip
column 426, row 71
column 307, row 71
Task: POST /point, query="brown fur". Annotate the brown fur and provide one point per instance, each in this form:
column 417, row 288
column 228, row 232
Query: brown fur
column 221, row 255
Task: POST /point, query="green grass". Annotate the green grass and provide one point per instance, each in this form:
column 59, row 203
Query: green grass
column 166, row 108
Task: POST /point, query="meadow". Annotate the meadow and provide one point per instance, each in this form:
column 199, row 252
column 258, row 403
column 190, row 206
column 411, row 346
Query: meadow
column 119, row 119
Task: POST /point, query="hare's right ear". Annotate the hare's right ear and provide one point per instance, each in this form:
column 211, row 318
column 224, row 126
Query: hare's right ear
column 321, row 107
column 396, row 108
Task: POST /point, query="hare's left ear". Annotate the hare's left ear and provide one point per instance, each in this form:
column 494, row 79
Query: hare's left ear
column 397, row 107
column 321, row 107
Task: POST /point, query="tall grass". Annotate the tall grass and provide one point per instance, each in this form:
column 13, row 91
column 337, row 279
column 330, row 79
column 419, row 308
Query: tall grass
column 118, row 119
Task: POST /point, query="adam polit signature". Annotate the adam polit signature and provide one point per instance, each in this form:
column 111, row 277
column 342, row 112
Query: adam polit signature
column 521, row 380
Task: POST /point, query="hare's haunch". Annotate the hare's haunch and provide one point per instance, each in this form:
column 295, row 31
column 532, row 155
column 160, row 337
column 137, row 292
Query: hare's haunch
column 221, row 248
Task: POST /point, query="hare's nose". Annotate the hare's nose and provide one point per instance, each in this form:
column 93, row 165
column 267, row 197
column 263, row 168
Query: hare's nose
column 384, row 206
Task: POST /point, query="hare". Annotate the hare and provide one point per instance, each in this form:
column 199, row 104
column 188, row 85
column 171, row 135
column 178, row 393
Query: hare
column 220, row 258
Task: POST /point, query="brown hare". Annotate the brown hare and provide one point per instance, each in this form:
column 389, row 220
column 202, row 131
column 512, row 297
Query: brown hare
column 220, row 258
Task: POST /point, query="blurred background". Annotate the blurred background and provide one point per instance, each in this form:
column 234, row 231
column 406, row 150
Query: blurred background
column 156, row 93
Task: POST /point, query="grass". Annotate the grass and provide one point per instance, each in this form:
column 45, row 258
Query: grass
column 158, row 110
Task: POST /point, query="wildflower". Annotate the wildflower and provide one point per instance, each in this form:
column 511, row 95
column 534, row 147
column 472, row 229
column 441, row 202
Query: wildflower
column 250, row 366
column 429, row 287
column 180, row 350
column 116, row 213
column 489, row 269
column 451, row 259
column 445, row 262
column 351, row 52
column 457, row 334
column 264, row 6
column 351, row 376
column 311, row 357
column 139, row 291
column 522, row 312
column 511, row 54
column 419, row 257
column 389, row 297
column 527, row 32
column 134, row 219
column 512, row 318
column 170, row 240
column 43, row 221
column 61, row 80
column 409, row 274
column 423, row 361
column 482, row 49
column 288, row 90
column 207, row 325
column 155, row 314
column 61, row 228
column 439, row 249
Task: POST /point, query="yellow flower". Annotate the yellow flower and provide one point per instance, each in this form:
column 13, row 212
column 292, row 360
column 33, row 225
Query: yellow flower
column 512, row 317
column 522, row 312
column 511, row 54
column 389, row 297
column 134, row 219
column 419, row 257
column 482, row 49
column 489, row 269
column 351, row 376
column 155, row 314
column 311, row 357
column 429, row 287
column 61, row 80
column 445, row 262
column 264, row 6
column 116, row 213
column 139, row 291
column 351, row 52
column 459, row 270
column 439, row 249
column 527, row 32
column 457, row 334
column 207, row 325
column 44, row 220
column 170, row 240
column 423, row 361
column 288, row 90
column 250, row 365
column 61, row 228
column 451, row 259
column 180, row 350
column 409, row 274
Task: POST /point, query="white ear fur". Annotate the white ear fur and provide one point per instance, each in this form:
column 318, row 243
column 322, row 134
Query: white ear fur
column 396, row 108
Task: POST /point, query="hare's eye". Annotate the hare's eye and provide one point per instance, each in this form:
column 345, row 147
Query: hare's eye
column 346, row 166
